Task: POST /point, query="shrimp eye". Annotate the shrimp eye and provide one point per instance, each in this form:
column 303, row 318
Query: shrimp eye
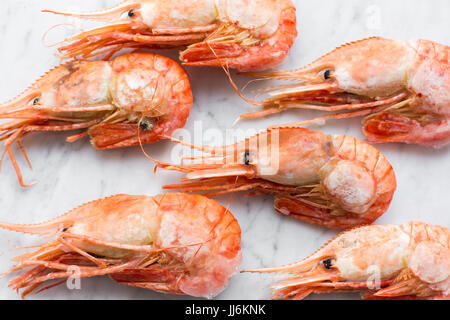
column 35, row 101
column 328, row 263
column 64, row 230
column 327, row 74
column 247, row 158
column 131, row 13
column 146, row 125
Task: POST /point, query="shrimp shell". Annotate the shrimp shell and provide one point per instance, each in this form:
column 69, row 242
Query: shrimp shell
column 133, row 100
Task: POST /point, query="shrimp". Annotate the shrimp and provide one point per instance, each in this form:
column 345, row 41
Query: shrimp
column 241, row 34
column 402, row 89
column 132, row 100
column 172, row 243
column 332, row 181
column 411, row 261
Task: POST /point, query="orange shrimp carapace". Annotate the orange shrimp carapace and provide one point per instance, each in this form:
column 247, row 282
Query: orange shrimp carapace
column 411, row 261
column 241, row 34
column 172, row 243
column 332, row 181
column 134, row 99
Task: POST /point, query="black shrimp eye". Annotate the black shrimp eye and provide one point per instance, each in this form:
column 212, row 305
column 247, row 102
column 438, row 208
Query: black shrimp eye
column 65, row 229
column 247, row 158
column 328, row 263
column 36, row 101
column 131, row 13
column 327, row 74
column 146, row 125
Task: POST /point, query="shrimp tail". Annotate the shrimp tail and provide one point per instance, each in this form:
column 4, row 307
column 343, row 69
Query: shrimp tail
column 388, row 127
column 148, row 278
column 210, row 54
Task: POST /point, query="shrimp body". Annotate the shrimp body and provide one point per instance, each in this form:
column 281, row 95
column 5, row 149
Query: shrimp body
column 134, row 99
column 401, row 88
column 172, row 243
column 411, row 261
column 332, row 181
column 241, row 34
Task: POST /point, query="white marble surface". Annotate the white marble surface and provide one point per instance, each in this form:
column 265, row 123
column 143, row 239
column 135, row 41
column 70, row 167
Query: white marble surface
column 71, row 174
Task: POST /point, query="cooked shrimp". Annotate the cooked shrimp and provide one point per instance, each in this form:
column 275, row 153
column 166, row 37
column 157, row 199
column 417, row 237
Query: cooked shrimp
column 411, row 261
column 332, row 181
column 172, row 243
column 402, row 88
column 132, row 100
column 241, row 34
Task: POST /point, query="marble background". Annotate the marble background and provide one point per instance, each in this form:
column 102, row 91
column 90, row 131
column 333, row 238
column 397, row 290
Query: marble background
column 72, row 174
